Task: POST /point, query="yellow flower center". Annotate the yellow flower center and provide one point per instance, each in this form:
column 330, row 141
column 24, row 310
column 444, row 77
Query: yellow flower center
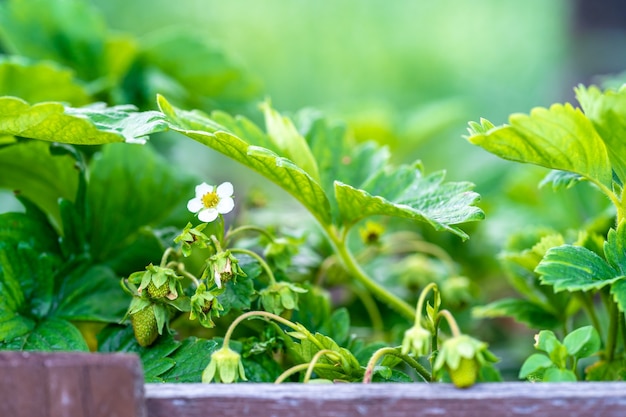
column 210, row 200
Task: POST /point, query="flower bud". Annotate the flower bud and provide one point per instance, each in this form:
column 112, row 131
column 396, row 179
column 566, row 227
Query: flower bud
column 225, row 366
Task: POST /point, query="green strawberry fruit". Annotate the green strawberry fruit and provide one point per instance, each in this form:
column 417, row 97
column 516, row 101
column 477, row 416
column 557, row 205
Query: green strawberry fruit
column 145, row 326
column 465, row 374
column 158, row 292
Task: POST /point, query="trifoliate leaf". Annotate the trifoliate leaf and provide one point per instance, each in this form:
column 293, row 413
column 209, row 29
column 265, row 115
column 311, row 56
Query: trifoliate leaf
column 574, row 268
column 607, row 112
column 406, row 193
column 560, row 138
column 92, row 125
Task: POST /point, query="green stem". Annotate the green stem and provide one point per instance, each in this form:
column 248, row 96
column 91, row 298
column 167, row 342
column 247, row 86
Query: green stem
column 248, row 228
column 272, row 316
column 454, row 327
column 166, row 255
column 315, row 359
column 613, row 330
column 357, row 272
column 298, row 368
column 216, row 243
column 369, row 369
column 420, row 302
column 264, row 265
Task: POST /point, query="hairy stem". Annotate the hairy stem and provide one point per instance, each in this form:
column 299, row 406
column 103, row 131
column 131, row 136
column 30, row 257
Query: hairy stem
column 248, row 228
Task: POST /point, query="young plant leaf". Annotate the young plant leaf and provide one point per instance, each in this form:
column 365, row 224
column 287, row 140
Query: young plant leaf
column 535, row 364
column 607, row 112
column 92, row 125
column 574, row 268
column 560, row 138
column 559, row 375
column 278, row 169
column 582, row 342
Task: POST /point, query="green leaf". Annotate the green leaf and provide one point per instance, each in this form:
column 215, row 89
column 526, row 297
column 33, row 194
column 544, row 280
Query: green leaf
column 559, row 375
column 574, row 268
column 405, row 193
column 523, row 311
column 546, row 341
column 40, row 81
column 535, row 364
column 92, row 125
column 30, row 228
column 147, row 190
column 607, row 112
column 289, row 141
column 237, row 295
column 155, row 359
column 561, row 180
column 55, row 334
column 70, row 32
column 30, row 170
column 190, row 360
column 615, row 247
column 618, row 291
column 280, row 170
column 13, row 325
column 194, row 72
column 338, row 326
column 582, row 342
column 91, row 294
column 560, row 138
column 26, row 279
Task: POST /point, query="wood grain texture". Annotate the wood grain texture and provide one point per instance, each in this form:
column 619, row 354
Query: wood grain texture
column 389, row 400
column 37, row 384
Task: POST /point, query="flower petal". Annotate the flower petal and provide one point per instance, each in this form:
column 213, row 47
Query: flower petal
column 208, row 215
column 218, row 279
column 225, row 205
column 224, row 190
column 202, row 189
column 195, row 205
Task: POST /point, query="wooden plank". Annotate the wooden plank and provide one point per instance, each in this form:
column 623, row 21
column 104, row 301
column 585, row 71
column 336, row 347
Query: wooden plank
column 602, row 399
column 70, row 385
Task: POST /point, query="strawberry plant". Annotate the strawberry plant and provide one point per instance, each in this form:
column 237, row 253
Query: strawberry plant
column 558, row 276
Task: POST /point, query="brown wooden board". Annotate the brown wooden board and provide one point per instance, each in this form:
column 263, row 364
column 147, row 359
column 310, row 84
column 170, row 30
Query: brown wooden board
column 389, row 400
column 36, row 384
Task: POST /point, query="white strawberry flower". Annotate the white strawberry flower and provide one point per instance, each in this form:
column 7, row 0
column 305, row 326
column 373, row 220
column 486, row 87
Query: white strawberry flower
column 211, row 201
